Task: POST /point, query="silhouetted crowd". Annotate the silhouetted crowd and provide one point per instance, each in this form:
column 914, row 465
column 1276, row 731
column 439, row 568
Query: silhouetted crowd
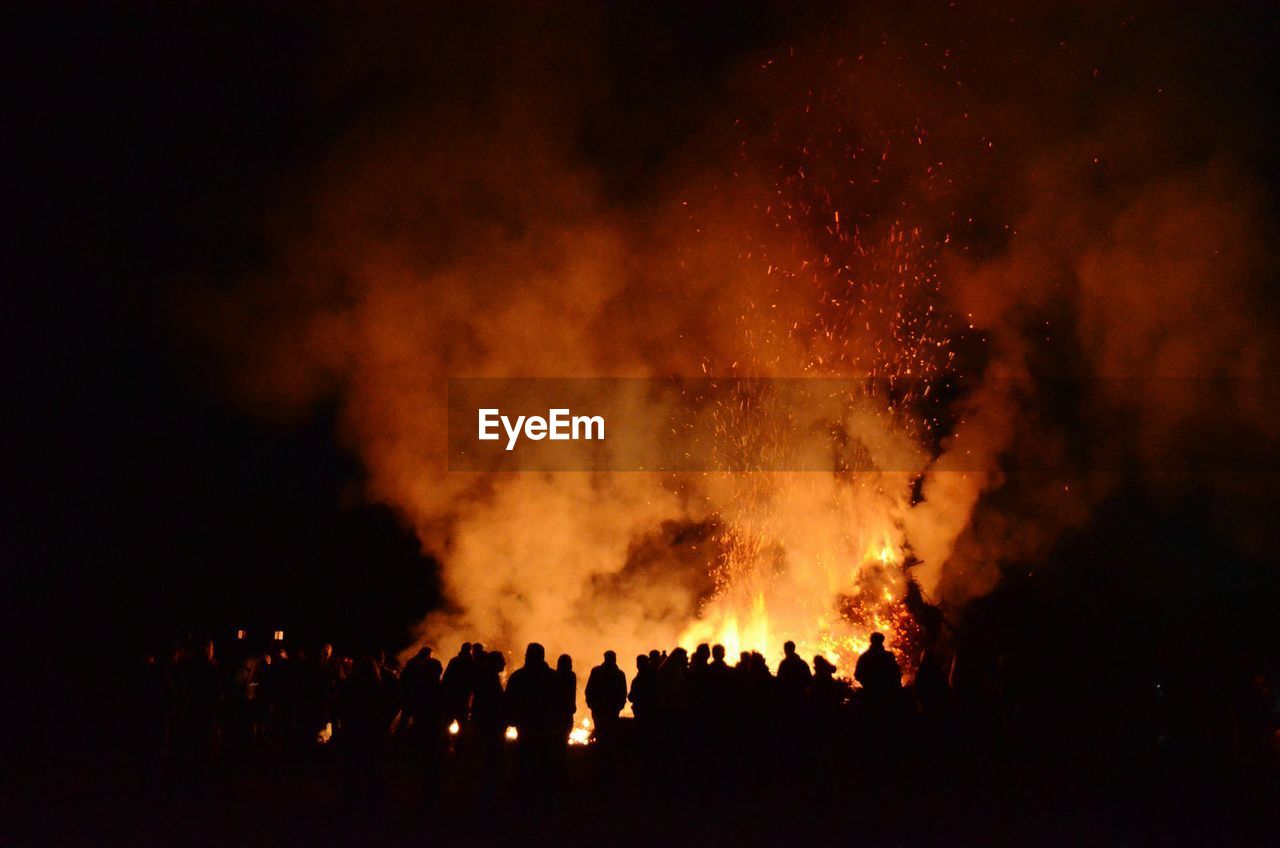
column 361, row 705
column 691, row 715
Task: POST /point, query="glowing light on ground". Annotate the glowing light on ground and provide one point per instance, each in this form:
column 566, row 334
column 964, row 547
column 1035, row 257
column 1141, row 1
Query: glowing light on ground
column 581, row 733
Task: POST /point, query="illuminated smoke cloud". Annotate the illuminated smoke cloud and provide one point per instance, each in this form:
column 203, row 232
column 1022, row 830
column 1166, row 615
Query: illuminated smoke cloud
column 970, row 205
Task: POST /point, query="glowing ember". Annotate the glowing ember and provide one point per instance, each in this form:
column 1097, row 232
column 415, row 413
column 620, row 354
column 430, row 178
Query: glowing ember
column 512, row 734
column 454, row 728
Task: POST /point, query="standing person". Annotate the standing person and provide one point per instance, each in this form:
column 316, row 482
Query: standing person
column 826, row 692
column 566, row 694
column 421, row 691
column 424, row 715
column 877, row 670
column 489, row 717
column 697, row 677
column 721, row 711
column 458, row 683
column 393, row 699
column 719, row 686
column 643, row 691
column 328, row 676
column 673, row 688
column 793, row 677
column 362, row 711
column 881, row 678
column 197, row 699
column 606, row 695
column 534, row 709
column 238, row 722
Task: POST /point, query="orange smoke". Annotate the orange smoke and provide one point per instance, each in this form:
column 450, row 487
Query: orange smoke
column 885, row 198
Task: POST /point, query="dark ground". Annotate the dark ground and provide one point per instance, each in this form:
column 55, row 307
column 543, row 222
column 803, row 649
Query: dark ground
column 1040, row 785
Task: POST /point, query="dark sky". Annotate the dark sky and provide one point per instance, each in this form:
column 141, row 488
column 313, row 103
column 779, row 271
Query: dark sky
column 144, row 148
column 145, row 144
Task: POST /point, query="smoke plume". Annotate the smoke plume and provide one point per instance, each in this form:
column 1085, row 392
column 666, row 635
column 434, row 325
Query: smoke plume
column 1038, row 225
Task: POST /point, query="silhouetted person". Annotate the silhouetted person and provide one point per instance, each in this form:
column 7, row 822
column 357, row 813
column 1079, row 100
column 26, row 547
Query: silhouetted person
column 673, row 687
column 197, row 697
column 793, row 676
column 717, row 659
column 422, row 691
column 719, row 676
column 877, row 670
column 535, row 709
column 825, row 691
column 457, row 683
column 566, row 694
column 488, row 710
column 389, row 668
column 719, row 694
column 328, row 677
column 489, row 718
column 827, row 731
column 361, row 707
column 606, row 695
column 644, row 690
column 742, row 688
column 297, row 698
column 237, row 727
column 424, row 722
column 313, row 685
column 697, row 678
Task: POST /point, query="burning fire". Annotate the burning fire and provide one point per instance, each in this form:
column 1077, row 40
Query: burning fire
column 742, row 621
column 581, row 733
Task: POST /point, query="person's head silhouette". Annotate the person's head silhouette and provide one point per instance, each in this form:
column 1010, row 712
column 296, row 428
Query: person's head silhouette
column 610, row 658
column 789, row 648
column 877, row 640
column 535, row 654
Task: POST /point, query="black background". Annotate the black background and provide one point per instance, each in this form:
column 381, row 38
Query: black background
column 144, row 145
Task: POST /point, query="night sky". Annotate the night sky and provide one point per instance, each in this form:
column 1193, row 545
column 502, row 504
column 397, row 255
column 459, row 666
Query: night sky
column 148, row 151
column 146, row 147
